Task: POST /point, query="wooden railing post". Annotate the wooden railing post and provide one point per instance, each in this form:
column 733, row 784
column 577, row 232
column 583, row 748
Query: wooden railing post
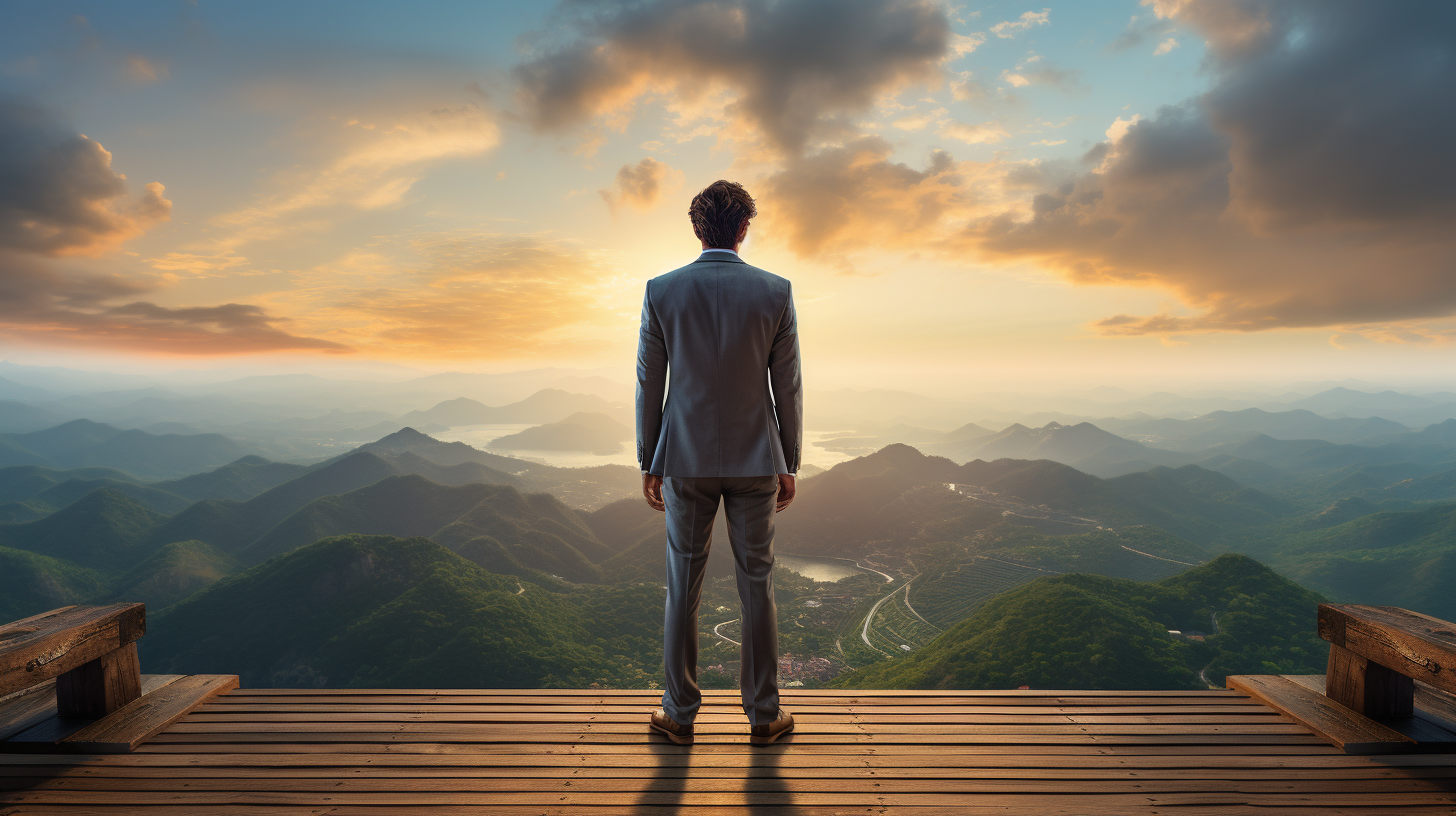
column 1366, row 687
column 101, row 686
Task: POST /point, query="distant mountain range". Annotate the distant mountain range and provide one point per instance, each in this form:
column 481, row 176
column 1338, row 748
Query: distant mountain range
column 83, row 443
column 582, row 431
column 545, row 406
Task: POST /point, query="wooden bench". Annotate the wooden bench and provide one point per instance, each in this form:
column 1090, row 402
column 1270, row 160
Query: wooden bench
column 70, row 679
column 1388, row 686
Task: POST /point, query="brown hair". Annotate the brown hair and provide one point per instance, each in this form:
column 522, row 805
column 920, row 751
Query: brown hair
column 718, row 211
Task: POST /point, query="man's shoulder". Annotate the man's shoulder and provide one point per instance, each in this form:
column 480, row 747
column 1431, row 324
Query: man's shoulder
column 736, row 267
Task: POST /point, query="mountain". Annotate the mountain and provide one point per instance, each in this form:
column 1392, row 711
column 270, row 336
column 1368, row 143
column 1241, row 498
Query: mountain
column 1094, row 632
column 73, row 490
column 20, row 417
column 581, row 487
column 545, row 406
column 905, row 435
column 21, row 482
column 582, row 431
column 231, row 525
column 382, row 612
column 1411, row 409
column 1403, row 558
column 1083, row 446
column 238, row 480
column 31, row 583
column 83, row 443
column 899, row 495
column 514, row 532
column 1219, row 427
column 170, row 574
column 105, row 530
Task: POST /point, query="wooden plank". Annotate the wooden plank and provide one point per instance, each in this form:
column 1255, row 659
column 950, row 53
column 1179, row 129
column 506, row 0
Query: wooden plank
column 27, row 709
column 138, row 721
column 1432, row 723
column 98, row 687
column 1338, row 725
column 786, row 694
column 48, row 728
column 671, row 798
column 1263, row 716
column 46, row 646
column 1410, row 643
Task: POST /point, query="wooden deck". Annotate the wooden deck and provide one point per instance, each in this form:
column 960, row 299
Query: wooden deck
column 872, row 752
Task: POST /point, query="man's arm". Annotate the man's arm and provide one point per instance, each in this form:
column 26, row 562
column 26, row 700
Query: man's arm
column 651, row 386
column 788, row 389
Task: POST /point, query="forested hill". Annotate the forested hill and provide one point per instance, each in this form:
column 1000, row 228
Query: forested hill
column 1089, row 631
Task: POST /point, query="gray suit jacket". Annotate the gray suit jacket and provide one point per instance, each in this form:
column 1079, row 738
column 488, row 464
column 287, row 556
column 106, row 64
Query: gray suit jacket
column 727, row 331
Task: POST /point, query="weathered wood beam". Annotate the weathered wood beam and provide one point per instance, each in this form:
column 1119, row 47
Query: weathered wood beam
column 1407, row 643
column 47, row 646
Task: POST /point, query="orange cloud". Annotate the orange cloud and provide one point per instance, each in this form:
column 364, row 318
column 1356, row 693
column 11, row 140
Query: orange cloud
column 641, row 184
column 60, row 195
column 458, row 296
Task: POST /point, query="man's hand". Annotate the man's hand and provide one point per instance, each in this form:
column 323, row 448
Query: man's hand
column 652, row 489
column 786, row 492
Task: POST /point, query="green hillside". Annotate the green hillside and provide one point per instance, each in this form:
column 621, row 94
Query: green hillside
column 239, row 480
column 1087, row 631
column 31, row 583
column 170, row 574
column 1401, row 558
column 381, row 611
column 105, row 531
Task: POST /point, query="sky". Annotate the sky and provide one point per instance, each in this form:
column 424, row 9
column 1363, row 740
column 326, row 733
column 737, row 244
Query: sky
column 965, row 195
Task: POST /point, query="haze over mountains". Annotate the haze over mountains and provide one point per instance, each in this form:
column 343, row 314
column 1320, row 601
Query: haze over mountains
column 353, row 515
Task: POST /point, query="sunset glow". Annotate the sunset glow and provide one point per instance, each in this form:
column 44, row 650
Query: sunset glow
column 965, row 195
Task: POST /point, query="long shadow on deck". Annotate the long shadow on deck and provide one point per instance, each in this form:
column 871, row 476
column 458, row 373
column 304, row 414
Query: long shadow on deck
column 765, row 792
column 768, row 793
column 664, row 792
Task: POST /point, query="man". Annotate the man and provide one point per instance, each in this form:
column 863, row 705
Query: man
column 727, row 330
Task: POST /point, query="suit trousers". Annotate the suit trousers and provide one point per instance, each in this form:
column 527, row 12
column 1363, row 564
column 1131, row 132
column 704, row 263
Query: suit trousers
column 748, row 506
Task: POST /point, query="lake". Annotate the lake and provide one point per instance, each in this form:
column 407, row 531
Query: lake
column 818, row 568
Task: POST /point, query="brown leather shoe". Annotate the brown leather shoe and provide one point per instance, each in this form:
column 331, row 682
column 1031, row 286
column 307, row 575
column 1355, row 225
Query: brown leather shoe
column 675, row 731
column 769, row 733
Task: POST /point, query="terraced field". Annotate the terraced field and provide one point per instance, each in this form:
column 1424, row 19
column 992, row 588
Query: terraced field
column 894, row 628
column 952, row 596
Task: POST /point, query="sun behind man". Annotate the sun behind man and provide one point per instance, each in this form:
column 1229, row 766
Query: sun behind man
column 728, row 332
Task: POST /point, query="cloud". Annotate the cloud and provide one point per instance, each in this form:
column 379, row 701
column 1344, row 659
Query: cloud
column 1312, row 185
column 853, row 196
column 45, row 305
column 1165, row 46
column 790, row 69
column 1141, row 29
column 641, row 184
column 374, row 166
column 1006, row 29
column 467, row 295
column 145, row 71
column 59, row 195
column 984, row 133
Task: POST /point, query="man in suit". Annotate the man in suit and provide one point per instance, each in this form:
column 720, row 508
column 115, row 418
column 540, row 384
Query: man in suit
column 728, row 332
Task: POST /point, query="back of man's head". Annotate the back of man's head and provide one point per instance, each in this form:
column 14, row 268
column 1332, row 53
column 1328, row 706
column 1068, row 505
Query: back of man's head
column 719, row 211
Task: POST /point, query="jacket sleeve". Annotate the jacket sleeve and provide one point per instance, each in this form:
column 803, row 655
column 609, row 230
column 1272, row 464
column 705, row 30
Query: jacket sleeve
column 651, row 382
column 788, row 388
